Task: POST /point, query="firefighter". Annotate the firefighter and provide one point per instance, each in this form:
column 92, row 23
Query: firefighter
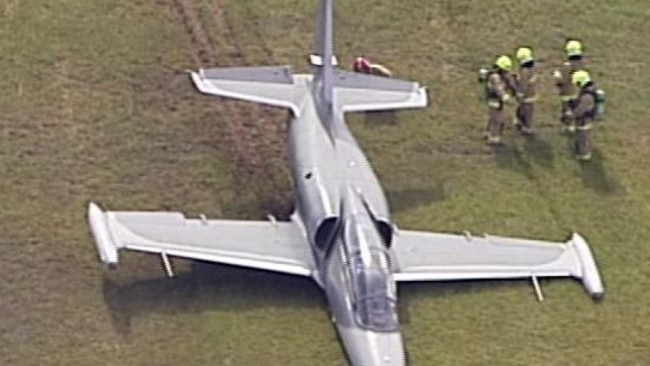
column 584, row 112
column 497, row 92
column 574, row 61
column 525, row 89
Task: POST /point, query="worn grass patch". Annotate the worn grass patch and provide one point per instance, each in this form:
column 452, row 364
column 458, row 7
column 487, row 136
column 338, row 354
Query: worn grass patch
column 95, row 105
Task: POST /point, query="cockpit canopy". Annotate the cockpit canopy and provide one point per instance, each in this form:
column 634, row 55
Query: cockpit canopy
column 375, row 304
column 370, row 277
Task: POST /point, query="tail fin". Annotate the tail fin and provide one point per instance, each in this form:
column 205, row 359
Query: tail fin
column 324, row 72
column 355, row 92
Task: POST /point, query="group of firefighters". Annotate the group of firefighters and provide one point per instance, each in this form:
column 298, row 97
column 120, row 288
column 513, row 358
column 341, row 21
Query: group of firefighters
column 581, row 101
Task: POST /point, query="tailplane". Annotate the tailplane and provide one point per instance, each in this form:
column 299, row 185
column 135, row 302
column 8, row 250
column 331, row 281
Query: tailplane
column 272, row 85
column 334, row 89
column 357, row 92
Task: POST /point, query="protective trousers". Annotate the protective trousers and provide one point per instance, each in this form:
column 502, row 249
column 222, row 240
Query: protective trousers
column 567, row 115
column 525, row 116
column 496, row 123
column 583, row 140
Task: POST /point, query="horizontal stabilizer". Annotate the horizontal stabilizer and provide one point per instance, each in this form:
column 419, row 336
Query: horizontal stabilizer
column 272, row 85
column 356, row 92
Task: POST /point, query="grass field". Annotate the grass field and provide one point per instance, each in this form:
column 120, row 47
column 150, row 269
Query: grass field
column 95, row 105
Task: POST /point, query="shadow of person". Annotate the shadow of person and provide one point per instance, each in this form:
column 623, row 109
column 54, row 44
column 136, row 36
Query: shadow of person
column 513, row 157
column 595, row 177
column 518, row 155
column 540, row 151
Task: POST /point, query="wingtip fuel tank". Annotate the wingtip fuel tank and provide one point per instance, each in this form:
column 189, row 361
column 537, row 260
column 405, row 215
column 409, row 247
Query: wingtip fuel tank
column 590, row 275
column 106, row 247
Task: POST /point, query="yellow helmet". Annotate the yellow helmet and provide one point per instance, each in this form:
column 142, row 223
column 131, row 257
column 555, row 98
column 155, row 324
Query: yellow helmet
column 573, row 48
column 503, row 62
column 580, row 78
column 524, row 54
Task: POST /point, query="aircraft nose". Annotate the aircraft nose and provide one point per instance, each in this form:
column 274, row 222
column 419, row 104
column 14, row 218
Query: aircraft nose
column 388, row 349
column 375, row 348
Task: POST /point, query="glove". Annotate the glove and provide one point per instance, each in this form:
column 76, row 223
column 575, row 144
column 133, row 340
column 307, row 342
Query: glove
column 568, row 113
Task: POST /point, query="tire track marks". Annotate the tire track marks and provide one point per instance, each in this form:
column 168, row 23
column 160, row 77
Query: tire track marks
column 256, row 140
column 199, row 40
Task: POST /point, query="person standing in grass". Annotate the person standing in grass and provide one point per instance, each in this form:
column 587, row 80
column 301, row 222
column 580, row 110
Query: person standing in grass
column 567, row 91
column 498, row 88
column 526, row 91
column 584, row 113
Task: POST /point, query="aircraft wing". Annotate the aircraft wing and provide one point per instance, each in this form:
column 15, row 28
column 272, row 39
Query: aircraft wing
column 268, row 245
column 423, row 256
column 272, row 85
column 356, row 92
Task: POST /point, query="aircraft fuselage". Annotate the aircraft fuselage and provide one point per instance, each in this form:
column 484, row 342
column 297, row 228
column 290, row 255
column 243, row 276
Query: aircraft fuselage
column 343, row 211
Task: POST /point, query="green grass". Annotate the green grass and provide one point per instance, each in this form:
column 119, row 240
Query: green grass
column 95, row 105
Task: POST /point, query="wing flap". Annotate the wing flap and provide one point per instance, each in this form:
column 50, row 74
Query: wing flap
column 274, row 246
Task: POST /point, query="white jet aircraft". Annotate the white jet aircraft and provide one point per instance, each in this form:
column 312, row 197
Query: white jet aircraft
column 341, row 234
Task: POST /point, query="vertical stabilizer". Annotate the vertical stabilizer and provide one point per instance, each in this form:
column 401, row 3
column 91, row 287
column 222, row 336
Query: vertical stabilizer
column 324, row 73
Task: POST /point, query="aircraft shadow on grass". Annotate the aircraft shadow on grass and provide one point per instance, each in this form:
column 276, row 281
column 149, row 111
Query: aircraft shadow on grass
column 207, row 287
column 382, row 118
column 403, row 199
column 412, row 292
column 213, row 287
